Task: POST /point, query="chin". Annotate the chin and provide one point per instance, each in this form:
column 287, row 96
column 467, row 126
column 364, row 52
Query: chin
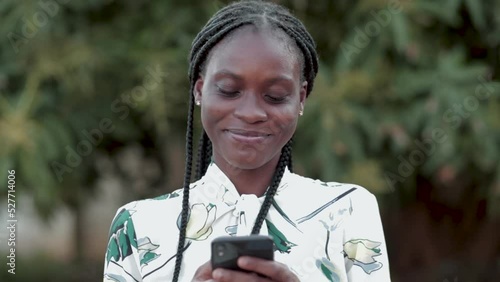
column 247, row 162
column 245, row 165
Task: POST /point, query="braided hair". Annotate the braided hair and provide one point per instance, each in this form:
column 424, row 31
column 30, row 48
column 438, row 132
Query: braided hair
column 263, row 15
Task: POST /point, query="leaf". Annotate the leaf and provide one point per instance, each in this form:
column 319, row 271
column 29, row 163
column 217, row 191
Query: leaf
column 58, row 130
column 146, row 249
column 447, row 12
column 148, row 257
column 124, row 243
column 476, row 12
column 113, row 251
column 122, row 236
column 400, row 31
column 280, row 240
column 328, row 269
column 168, row 196
column 282, row 213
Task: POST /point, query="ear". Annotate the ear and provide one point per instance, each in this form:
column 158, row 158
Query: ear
column 198, row 87
column 303, row 95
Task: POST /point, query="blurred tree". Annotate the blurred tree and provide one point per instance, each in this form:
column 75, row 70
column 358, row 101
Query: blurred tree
column 406, row 102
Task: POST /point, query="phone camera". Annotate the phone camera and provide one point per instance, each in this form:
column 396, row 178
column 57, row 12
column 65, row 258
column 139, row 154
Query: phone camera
column 220, row 250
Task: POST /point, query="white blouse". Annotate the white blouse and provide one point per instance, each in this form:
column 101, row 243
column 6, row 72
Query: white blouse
column 321, row 231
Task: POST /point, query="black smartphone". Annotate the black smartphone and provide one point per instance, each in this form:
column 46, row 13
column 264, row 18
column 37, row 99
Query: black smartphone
column 227, row 249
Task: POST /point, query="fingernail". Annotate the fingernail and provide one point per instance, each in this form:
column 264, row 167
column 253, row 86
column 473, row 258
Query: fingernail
column 244, row 261
column 217, row 274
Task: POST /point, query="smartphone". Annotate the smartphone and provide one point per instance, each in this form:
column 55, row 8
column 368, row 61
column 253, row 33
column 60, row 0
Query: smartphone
column 227, row 249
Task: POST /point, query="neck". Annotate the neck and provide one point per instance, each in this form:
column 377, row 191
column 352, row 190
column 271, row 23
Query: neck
column 250, row 181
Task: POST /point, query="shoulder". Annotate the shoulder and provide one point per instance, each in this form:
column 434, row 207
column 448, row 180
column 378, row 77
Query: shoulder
column 317, row 188
column 164, row 204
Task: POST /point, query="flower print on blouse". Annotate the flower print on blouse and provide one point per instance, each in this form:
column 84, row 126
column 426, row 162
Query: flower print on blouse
column 321, row 231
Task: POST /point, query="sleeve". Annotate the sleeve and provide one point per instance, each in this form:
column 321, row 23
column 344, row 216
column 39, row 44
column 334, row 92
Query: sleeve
column 121, row 260
column 365, row 251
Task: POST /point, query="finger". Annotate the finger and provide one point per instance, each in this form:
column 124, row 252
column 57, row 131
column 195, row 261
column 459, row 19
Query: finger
column 226, row 275
column 203, row 273
column 274, row 270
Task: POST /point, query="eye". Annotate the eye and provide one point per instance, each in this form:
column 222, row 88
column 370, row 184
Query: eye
column 226, row 92
column 276, row 99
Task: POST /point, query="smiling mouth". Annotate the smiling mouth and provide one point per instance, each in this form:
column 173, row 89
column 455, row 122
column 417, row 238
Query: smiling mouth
column 248, row 133
column 247, row 136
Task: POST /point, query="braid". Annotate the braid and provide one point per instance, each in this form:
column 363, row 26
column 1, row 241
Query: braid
column 202, row 144
column 257, row 13
column 262, row 15
column 208, row 155
column 185, row 197
column 204, row 155
column 275, row 182
column 290, row 162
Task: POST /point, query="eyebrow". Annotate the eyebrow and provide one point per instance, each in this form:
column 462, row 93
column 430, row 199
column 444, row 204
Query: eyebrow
column 225, row 72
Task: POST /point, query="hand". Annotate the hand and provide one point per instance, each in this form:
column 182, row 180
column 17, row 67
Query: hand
column 203, row 273
column 271, row 270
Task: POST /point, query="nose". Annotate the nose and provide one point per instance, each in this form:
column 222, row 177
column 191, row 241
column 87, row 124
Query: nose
column 250, row 109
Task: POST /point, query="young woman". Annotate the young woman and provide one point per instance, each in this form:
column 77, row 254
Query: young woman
column 251, row 69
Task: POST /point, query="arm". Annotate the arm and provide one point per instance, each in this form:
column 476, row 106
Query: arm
column 365, row 251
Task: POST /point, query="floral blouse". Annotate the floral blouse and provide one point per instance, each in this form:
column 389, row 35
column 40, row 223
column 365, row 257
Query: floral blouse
column 321, row 231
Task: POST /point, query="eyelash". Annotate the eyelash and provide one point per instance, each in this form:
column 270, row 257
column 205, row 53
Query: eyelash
column 275, row 100
column 227, row 93
column 271, row 99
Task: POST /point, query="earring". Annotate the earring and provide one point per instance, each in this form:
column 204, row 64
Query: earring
column 197, row 102
column 301, row 112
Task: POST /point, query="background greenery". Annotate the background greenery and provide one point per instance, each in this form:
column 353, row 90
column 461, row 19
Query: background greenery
column 379, row 93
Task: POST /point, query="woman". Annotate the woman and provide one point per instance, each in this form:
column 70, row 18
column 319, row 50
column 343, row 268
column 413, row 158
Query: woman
column 251, row 69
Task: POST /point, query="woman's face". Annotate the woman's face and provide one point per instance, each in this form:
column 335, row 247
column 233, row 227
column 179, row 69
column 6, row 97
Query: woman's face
column 251, row 95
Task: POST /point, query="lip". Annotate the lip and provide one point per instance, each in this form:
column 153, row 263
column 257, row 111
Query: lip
column 248, row 136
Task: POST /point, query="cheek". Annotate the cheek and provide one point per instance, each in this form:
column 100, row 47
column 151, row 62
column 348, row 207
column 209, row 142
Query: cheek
column 286, row 122
column 207, row 120
column 211, row 114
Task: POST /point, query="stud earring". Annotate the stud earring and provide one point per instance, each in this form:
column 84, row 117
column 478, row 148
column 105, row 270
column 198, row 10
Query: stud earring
column 197, row 102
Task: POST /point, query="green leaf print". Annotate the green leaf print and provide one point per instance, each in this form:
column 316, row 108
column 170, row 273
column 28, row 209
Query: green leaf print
column 174, row 194
column 122, row 236
column 149, row 256
column 283, row 214
column 280, row 241
column 145, row 250
column 328, row 269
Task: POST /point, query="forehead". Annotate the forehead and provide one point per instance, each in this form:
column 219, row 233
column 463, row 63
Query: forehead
column 262, row 50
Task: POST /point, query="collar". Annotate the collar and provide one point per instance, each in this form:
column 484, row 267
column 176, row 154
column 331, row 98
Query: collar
column 219, row 187
column 215, row 189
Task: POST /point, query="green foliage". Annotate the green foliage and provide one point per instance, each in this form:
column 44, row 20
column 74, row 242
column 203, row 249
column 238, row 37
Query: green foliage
column 406, row 104
column 378, row 92
column 381, row 92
